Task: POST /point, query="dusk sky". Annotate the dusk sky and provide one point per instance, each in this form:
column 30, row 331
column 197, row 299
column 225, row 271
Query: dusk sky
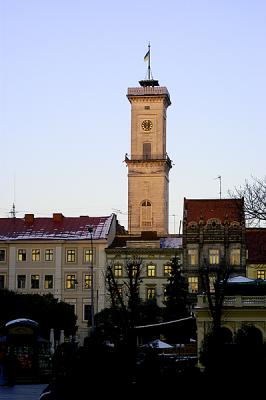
column 65, row 67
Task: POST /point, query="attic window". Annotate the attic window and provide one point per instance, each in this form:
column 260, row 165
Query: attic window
column 147, row 107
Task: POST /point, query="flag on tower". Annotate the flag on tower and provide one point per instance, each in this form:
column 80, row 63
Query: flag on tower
column 147, row 55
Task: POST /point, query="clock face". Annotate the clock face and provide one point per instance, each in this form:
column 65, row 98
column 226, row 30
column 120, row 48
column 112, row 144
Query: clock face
column 146, row 125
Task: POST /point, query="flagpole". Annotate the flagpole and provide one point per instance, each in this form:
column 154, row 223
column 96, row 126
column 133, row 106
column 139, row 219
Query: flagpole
column 149, row 63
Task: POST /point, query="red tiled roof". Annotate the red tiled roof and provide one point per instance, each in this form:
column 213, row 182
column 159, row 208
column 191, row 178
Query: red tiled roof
column 256, row 245
column 56, row 228
column 230, row 209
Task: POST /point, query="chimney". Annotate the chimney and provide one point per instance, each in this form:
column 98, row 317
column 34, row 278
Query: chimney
column 29, row 219
column 58, row 217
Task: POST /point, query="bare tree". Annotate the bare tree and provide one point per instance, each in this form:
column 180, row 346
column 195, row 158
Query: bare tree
column 214, row 281
column 124, row 295
column 254, row 194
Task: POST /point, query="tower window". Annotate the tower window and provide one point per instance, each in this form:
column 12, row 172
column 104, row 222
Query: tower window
column 146, row 151
column 146, row 213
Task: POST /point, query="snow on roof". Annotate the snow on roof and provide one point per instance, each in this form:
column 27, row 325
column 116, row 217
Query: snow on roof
column 67, row 228
column 22, row 321
column 239, row 279
column 171, row 242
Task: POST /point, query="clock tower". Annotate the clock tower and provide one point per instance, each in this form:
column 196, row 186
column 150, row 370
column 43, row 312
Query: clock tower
column 148, row 165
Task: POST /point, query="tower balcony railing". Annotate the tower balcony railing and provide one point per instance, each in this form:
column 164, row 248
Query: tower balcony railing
column 149, row 157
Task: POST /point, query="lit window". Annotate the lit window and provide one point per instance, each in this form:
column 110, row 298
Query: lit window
column 88, row 256
column 133, row 270
column 118, row 271
column 212, row 280
column 235, row 257
column 22, row 255
column 260, row 274
column 146, row 213
column 48, row 282
column 120, row 290
column 71, row 256
column 167, row 269
column 71, row 281
column 21, row 281
column 2, row 281
column 213, row 256
column 193, row 284
column 49, row 255
column 36, row 255
column 87, row 281
column 35, row 281
column 151, row 270
column 150, row 293
column 193, row 257
column 2, row 255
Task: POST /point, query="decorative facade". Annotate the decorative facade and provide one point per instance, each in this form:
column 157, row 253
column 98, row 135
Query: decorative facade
column 213, row 232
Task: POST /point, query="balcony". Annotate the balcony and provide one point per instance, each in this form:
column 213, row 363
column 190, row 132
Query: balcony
column 235, row 301
column 148, row 157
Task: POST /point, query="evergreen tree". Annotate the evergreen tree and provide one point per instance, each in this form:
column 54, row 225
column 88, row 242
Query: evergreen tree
column 176, row 292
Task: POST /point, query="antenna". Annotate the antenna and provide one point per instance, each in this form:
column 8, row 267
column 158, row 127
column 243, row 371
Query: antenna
column 13, row 211
column 220, row 185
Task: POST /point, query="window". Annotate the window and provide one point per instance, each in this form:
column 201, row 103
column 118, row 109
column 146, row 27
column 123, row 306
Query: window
column 21, row 281
column 86, row 312
column 212, row 280
column 235, row 257
column 48, row 255
column 35, row 254
column 2, row 255
column 151, row 270
column 87, row 281
column 118, row 271
column 134, row 270
column 165, row 297
column 88, row 256
column 167, row 269
column 48, row 281
column 2, row 281
column 193, row 284
column 193, row 257
column 35, row 281
column 213, row 256
column 146, row 213
column 146, row 151
column 260, row 274
column 150, row 293
column 120, row 290
column 22, row 255
column 71, row 256
column 71, row 281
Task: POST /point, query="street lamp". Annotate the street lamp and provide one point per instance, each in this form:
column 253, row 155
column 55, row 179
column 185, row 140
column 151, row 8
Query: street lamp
column 90, row 230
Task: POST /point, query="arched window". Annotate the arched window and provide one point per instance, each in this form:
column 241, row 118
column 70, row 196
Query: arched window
column 146, row 213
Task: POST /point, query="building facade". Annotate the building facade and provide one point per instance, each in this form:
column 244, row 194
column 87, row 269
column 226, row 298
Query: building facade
column 213, row 232
column 57, row 255
column 244, row 305
column 155, row 254
column 256, row 253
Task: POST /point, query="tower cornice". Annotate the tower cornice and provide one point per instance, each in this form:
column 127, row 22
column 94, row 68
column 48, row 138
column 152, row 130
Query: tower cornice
column 149, row 91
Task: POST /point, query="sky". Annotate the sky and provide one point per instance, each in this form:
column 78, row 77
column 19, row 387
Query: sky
column 65, row 67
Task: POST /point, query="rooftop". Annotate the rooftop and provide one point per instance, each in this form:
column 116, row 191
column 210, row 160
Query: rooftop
column 57, row 227
column 204, row 209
